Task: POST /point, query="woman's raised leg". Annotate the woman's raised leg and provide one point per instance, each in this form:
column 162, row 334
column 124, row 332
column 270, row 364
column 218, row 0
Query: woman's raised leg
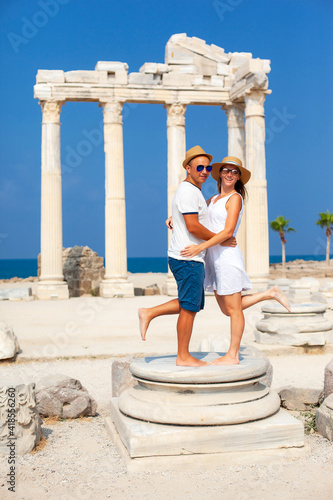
column 273, row 293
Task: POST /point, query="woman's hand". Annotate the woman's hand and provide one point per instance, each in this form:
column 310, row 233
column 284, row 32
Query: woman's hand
column 169, row 222
column 191, row 251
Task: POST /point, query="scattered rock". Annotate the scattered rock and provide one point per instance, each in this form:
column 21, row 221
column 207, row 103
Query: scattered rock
column 15, row 293
column 294, row 398
column 9, row 345
column 328, row 383
column 324, row 418
column 61, row 396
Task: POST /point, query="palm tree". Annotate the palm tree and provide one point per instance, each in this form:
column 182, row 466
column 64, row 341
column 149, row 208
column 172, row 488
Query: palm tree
column 280, row 224
column 326, row 222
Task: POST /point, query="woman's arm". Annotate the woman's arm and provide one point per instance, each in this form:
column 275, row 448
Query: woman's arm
column 234, row 207
column 209, row 200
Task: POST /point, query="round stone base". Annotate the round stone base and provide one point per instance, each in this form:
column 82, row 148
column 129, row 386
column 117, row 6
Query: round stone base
column 208, row 395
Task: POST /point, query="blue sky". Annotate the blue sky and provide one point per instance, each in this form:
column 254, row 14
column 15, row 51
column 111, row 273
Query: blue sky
column 296, row 35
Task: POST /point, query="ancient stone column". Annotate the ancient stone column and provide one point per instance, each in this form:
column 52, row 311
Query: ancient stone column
column 115, row 282
column 257, row 249
column 176, row 172
column 51, row 281
column 236, row 147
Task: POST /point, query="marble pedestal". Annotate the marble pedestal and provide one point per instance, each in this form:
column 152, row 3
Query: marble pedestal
column 181, row 416
column 305, row 325
column 47, row 290
column 116, row 288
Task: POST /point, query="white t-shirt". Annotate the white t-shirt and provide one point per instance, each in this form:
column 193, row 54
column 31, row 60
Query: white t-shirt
column 188, row 199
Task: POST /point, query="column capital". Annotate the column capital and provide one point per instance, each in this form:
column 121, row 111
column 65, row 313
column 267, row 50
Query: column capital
column 235, row 115
column 51, row 111
column 254, row 103
column 112, row 112
column 176, row 114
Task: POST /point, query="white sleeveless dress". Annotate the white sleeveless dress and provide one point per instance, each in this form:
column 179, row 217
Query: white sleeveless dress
column 224, row 266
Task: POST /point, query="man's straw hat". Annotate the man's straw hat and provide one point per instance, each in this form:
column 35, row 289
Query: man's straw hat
column 233, row 162
column 193, row 152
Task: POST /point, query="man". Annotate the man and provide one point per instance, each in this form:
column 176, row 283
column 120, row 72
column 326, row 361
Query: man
column 189, row 211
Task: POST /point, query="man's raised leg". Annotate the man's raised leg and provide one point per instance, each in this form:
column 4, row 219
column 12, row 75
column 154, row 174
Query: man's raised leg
column 184, row 332
column 146, row 314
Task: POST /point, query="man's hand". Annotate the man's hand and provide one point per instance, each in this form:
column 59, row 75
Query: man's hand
column 169, row 222
column 230, row 242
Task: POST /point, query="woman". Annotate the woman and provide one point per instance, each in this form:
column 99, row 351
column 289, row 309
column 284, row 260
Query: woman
column 225, row 273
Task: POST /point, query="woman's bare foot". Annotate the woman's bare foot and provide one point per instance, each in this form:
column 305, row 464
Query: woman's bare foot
column 226, row 360
column 144, row 321
column 189, row 361
column 278, row 295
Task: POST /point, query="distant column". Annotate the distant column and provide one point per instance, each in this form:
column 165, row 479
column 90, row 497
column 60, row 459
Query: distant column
column 236, row 147
column 257, row 248
column 176, row 172
column 51, row 284
column 115, row 282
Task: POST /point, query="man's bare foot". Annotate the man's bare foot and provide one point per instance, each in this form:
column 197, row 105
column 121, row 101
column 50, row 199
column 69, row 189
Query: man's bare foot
column 189, row 361
column 143, row 322
column 278, row 295
column 226, row 360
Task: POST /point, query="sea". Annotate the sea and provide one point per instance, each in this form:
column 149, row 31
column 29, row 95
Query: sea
column 24, row 268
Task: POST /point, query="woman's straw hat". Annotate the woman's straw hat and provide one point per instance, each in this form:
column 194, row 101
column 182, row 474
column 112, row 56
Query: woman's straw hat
column 193, row 152
column 234, row 162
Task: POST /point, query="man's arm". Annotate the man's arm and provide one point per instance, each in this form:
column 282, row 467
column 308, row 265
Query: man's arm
column 194, row 227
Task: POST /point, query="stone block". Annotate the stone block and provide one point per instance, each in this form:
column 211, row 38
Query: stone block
column 177, row 80
column 250, row 66
column 222, row 55
column 223, row 69
column 328, row 379
column 198, row 80
column 239, row 58
column 65, row 397
column 50, row 76
column 111, row 66
column 324, row 418
column 148, row 68
column 174, row 54
column 9, row 345
column 217, row 81
column 190, row 69
column 81, row 77
column 144, row 79
column 266, row 65
column 299, row 339
column 121, row 378
column 282, row 283
column 228, row 82
column 20, row 425
column 15, row 293
column 313, row 283
column 152, row 290
column 144, row 439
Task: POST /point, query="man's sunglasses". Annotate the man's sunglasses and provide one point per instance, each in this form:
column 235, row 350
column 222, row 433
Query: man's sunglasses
column 201, row 167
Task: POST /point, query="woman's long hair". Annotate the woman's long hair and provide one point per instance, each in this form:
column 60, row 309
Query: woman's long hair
column 239, row 187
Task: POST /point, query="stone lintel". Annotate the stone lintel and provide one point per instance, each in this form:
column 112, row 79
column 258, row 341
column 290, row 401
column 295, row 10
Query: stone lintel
column 131, row 93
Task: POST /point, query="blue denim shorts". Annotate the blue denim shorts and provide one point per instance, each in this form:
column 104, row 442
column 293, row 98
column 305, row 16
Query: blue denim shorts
column 190, row 276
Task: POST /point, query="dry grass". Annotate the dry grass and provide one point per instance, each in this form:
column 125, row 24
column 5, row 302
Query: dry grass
column 40, row 446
